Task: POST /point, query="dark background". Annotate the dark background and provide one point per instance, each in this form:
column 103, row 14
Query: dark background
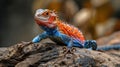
column 16, row 21
column 17, row 17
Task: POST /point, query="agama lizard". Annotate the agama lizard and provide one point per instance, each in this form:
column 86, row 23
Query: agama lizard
column 59, row 31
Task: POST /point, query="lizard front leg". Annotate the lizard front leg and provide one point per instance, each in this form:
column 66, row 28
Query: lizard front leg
column 66, row 40
column 69, row 42
column 40, row 37
column 69, row 47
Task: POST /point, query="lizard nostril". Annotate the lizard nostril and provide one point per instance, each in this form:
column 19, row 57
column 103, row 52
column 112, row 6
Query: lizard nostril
column 38, row 15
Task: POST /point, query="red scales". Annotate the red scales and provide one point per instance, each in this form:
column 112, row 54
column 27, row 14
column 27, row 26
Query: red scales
column 70, row 31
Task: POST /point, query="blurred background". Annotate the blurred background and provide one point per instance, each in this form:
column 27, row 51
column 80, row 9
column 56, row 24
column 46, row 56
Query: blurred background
column 95, row 18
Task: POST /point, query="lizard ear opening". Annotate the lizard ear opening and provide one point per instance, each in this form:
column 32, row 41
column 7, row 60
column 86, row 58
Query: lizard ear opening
column 52, row 18
column 54, row 11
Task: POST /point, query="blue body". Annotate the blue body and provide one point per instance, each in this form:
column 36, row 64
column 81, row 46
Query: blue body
column 55, row 34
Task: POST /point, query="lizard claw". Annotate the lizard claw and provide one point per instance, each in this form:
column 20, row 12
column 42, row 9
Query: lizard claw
column 68, row 50
column 72, row 50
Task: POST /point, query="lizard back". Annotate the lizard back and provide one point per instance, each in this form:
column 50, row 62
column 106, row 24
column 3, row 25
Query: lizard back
column 70, row 31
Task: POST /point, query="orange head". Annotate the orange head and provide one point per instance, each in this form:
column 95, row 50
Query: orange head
column 45, row 17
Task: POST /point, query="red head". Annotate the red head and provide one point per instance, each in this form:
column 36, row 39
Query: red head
column 45, row 17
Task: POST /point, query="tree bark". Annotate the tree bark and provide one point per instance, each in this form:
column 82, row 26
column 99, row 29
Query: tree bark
column 27, row 54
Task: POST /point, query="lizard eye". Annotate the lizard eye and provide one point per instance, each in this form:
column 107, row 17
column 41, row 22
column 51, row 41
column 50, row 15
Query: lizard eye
column 45, row 14
column 38, row 15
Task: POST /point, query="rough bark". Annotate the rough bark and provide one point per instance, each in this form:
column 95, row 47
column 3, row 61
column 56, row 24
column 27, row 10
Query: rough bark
column 26, row 54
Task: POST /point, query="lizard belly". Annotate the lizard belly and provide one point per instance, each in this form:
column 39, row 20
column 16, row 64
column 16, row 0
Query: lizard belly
column 65, row 40
column 58, row 40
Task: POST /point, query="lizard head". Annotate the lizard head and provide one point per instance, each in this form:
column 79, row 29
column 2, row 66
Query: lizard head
column 45, row 17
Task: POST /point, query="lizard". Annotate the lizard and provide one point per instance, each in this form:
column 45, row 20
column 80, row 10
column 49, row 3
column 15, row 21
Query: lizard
column 59, row 31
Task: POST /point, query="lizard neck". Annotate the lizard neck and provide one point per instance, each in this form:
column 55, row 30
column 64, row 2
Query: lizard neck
column 50, row 31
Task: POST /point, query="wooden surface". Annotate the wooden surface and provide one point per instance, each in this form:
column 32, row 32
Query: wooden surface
column 26, row 54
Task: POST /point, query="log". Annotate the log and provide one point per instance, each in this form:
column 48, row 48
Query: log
column 27, row 54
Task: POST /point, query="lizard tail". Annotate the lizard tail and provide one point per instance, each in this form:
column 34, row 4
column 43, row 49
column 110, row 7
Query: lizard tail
column 109, row 47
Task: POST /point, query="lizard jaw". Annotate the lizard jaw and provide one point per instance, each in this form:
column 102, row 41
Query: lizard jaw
column 44, row 19
column 38, row 15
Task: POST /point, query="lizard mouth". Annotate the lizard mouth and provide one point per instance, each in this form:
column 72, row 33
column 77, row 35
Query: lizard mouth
column 43, row 18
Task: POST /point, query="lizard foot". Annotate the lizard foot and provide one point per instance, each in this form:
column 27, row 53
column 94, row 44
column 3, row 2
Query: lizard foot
column 68, row 50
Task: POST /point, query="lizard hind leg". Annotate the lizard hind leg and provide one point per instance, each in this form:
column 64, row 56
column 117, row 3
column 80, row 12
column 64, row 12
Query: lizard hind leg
column 90, row 44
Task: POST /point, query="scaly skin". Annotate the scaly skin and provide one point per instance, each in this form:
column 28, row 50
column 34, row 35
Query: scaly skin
column 57, row 30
